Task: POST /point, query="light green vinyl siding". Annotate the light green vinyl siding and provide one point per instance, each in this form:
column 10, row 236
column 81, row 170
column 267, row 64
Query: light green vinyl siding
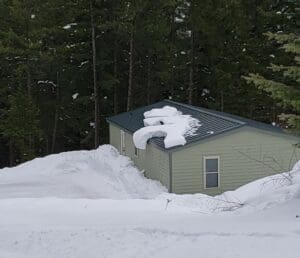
column 157, row 165
column 245, row 155
column 115, row 137
column 153, row 161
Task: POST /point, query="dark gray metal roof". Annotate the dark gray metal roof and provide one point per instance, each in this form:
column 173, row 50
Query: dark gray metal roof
column 212, row 122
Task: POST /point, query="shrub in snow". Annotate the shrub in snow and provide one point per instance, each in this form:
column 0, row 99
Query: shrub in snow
column 165, row 122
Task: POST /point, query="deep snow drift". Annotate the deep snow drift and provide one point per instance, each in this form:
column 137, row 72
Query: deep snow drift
column 105, row 174
column 165, row 122
column 260, row 219
column 101, row 173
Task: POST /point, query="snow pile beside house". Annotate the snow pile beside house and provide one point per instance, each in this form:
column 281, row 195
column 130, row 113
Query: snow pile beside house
column 261, row 194
column 105, row 174
column 165, row 122
column 267, row 192
column 101, row 173
column 169, row 226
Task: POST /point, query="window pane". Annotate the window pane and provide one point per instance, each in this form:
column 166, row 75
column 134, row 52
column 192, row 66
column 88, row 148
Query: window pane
column 212, row 180
column 211, row 165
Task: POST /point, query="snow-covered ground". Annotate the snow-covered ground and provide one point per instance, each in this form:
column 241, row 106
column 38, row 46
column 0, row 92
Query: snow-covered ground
column 101, row 173
column 97, row 204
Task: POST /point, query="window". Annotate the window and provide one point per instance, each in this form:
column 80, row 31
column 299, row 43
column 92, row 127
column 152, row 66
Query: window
column 136, row 152
column 211, row 171
column 122, row 141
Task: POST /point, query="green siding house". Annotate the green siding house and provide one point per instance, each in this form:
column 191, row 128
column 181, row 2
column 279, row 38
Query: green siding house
column 226, row 151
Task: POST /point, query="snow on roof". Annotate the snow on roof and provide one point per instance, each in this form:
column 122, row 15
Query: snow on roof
column 165, row 122
column 211, row 121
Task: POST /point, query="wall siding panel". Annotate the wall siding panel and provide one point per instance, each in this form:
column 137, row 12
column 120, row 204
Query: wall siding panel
column 245, row 155
column 115, row 137
column 152, row 161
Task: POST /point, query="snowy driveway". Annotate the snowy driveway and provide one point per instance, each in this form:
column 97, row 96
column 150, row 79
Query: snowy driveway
column 81, row 228
column 96, row 204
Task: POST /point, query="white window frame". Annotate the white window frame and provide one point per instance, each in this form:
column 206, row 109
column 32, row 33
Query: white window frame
column 122, row 142
column 204, row 171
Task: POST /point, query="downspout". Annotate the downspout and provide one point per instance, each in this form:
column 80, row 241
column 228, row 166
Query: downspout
column 170, row 173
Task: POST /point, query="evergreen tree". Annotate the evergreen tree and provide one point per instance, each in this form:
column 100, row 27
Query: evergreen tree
column 287, row 88
column 20, row 126
column 190, row 51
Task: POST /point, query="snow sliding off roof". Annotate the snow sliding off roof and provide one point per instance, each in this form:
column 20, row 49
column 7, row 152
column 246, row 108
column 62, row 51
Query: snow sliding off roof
column 165, row 122
column 211, row 124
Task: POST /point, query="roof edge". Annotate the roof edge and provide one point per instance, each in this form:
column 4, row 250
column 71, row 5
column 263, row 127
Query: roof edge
column 205, row 111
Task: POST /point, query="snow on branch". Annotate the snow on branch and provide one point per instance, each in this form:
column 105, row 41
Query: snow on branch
column 47, row 82
column 68, row 26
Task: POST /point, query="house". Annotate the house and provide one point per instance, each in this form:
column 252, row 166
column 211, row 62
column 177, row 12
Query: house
column 224, row 153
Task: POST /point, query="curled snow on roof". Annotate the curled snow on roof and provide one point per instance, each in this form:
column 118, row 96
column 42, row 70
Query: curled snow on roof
column 165, row 122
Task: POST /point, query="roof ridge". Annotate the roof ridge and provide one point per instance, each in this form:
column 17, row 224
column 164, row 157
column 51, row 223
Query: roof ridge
column 203, row 110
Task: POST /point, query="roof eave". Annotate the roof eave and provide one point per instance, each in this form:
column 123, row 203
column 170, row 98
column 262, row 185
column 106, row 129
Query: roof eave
column 198, row 141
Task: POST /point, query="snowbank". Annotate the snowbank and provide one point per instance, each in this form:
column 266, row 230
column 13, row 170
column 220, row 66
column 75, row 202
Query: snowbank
column 261, row 194
column 101, row 173
column 167, row 225
column 105, row 174
column 268, row 191
column 165, row 122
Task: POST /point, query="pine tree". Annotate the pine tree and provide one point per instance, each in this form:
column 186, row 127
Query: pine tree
column 20, row 125
column 191, row 51
column 286, row 89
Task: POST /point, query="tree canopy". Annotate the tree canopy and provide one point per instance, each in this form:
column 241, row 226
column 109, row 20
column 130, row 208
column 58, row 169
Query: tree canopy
column 67, row 65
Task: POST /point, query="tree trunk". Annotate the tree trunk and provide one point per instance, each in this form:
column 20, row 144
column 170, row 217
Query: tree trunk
column 172, row 52
column 28, row 83
column 148, row 80
column 222, row 100
column 191, row 71
column 130, row 74
column 54, row 132
column 95, row 86
column 116, row 103
column 30, row 139
column 11, row 153
column 28, row 79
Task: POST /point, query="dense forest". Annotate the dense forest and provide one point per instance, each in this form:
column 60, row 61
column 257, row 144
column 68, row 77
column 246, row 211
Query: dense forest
column 66, row 65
